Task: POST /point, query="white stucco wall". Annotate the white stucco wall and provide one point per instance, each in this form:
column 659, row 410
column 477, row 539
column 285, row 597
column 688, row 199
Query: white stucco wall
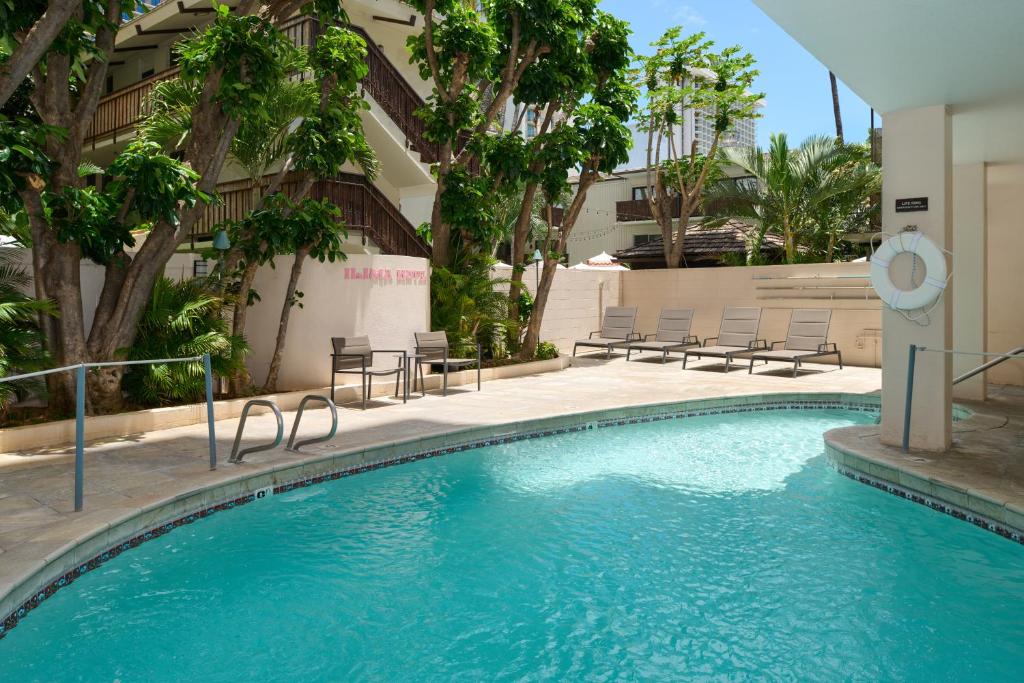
column 384, row 297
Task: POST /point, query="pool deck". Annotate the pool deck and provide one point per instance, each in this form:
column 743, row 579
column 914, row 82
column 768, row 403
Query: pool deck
column 138, row 482
column 979, row 479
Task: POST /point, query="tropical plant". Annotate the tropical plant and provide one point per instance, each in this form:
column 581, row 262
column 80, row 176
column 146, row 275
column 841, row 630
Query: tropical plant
column 470, row 307
column 237, row 64
column 474, row 56
column 21, row 347
column 683, row 75
column 546, row 351
column 810, row 195
column 181, row 319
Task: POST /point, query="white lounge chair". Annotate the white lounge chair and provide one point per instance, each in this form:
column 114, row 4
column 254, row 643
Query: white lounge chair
column 673, row 334
column 616, row 330
column 807, row 338
column 737, row 336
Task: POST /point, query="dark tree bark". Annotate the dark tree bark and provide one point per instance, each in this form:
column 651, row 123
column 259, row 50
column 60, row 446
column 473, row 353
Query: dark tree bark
column 33, row 45
column 835, row 106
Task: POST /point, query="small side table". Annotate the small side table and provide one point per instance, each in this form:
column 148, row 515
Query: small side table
column 414, row 365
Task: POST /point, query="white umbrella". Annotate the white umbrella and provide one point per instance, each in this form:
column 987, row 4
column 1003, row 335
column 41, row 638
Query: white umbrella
column 500, row 264
column 605, row 267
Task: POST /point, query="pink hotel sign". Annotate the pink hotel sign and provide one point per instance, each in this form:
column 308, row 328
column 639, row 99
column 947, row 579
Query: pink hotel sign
column 387, row 276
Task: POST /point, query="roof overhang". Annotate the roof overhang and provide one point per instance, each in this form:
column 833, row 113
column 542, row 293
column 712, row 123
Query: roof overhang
column 914, row 53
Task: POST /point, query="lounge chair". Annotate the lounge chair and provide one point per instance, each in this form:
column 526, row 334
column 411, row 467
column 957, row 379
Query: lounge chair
column 737, row 336
column 432, row 349
column 673, row 334
column 807, row 338
column 616, row 331
column 353, row 356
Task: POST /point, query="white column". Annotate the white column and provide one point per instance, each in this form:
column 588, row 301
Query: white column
column 917, row 162
column 970, row 267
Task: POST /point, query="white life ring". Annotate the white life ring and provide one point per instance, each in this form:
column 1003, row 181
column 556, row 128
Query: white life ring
column 935, row 272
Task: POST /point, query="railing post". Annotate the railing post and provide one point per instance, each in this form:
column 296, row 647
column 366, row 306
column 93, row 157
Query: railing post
column 208, row 372
column 79, row 435
column 910, row 398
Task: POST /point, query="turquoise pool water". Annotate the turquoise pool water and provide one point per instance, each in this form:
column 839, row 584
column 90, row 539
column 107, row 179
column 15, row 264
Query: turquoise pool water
column 714, row 547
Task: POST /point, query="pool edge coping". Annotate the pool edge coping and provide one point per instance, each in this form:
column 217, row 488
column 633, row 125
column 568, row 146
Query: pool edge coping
column 63, row 566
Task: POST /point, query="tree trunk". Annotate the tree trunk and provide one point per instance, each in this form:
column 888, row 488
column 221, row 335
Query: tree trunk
column 532, row 338
column 270, row 385
column 519, row 236
column 835, row 106
column 34, row 45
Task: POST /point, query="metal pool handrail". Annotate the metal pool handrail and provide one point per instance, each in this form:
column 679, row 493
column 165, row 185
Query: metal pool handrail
column 80, row 369
column 997, row 358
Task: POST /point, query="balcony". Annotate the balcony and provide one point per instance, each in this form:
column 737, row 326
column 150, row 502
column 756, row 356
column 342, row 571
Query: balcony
column 639, row 210
column 119, row 112
column 362, row 205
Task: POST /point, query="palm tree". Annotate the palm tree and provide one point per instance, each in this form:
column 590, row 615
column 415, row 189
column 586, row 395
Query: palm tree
column 21, row 342
column 835, row 106
column 809, row 195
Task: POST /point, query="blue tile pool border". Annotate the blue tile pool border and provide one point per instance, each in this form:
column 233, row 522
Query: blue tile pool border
column 963, row 514
column 655, row 413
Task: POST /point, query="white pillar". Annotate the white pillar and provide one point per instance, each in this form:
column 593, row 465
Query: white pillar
column 917, row 162
column 970, row 267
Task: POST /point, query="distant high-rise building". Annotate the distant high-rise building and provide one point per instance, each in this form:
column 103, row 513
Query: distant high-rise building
column 699, row 126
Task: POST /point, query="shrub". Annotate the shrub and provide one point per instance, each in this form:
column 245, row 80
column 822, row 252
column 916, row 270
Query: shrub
column 21, row 343
column 182, row 319
column 546, row 351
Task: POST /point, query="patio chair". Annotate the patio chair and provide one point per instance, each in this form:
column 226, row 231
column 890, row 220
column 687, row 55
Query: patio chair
column 807, row 338
column 737, row 336
column 616, row 331
column 432, row 349
column 354, row 356
column 673, row 334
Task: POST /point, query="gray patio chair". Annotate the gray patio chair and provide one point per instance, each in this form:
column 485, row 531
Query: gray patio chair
column 673, row 334
column 737, row 336
column 616, row 330
column 432, row 349
column 353, row 356
column 807, row 338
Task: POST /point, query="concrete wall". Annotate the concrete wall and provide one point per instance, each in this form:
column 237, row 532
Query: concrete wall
column 856, row 318
column 575, row 304
column 1005, row 224
column 384, row 297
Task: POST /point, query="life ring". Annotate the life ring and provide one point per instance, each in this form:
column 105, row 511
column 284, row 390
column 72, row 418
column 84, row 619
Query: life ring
column 935, row 272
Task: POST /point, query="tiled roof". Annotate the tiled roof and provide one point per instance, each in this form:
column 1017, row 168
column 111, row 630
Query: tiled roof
column 726, row 239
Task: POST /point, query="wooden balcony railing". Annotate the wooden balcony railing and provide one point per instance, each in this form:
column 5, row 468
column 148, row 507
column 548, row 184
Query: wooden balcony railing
column 639, row 210
column 362, row 205
column 118, row 112
column 397, row 98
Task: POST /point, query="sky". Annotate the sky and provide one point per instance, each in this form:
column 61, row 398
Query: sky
column 798, row 98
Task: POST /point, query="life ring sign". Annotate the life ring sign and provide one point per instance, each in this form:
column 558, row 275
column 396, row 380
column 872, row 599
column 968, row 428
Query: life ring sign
column 935, row 278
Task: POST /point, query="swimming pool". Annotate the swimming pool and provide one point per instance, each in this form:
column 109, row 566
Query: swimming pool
column 709, row 546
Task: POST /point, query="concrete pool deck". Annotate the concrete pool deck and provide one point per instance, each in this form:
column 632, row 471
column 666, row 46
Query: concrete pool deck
column 138, row 482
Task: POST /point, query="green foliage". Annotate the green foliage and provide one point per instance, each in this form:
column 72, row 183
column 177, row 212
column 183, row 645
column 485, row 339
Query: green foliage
column 21, row 348
column 155, row 185
column 182, row 319
column 466, row 305
column 546, row 351
column 87, row 216
column 810, row 196
column 251, row 54
column 686, row 72
column 21, row 154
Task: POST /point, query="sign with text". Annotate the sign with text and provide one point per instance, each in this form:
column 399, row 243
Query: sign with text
column 388, row 276
column 911, row 204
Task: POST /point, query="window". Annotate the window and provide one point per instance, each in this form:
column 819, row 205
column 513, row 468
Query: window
column 200, row 268
column 531, row 123
column 147, row 73
column 639, row 193
column 108, row 86
column 643, row 239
